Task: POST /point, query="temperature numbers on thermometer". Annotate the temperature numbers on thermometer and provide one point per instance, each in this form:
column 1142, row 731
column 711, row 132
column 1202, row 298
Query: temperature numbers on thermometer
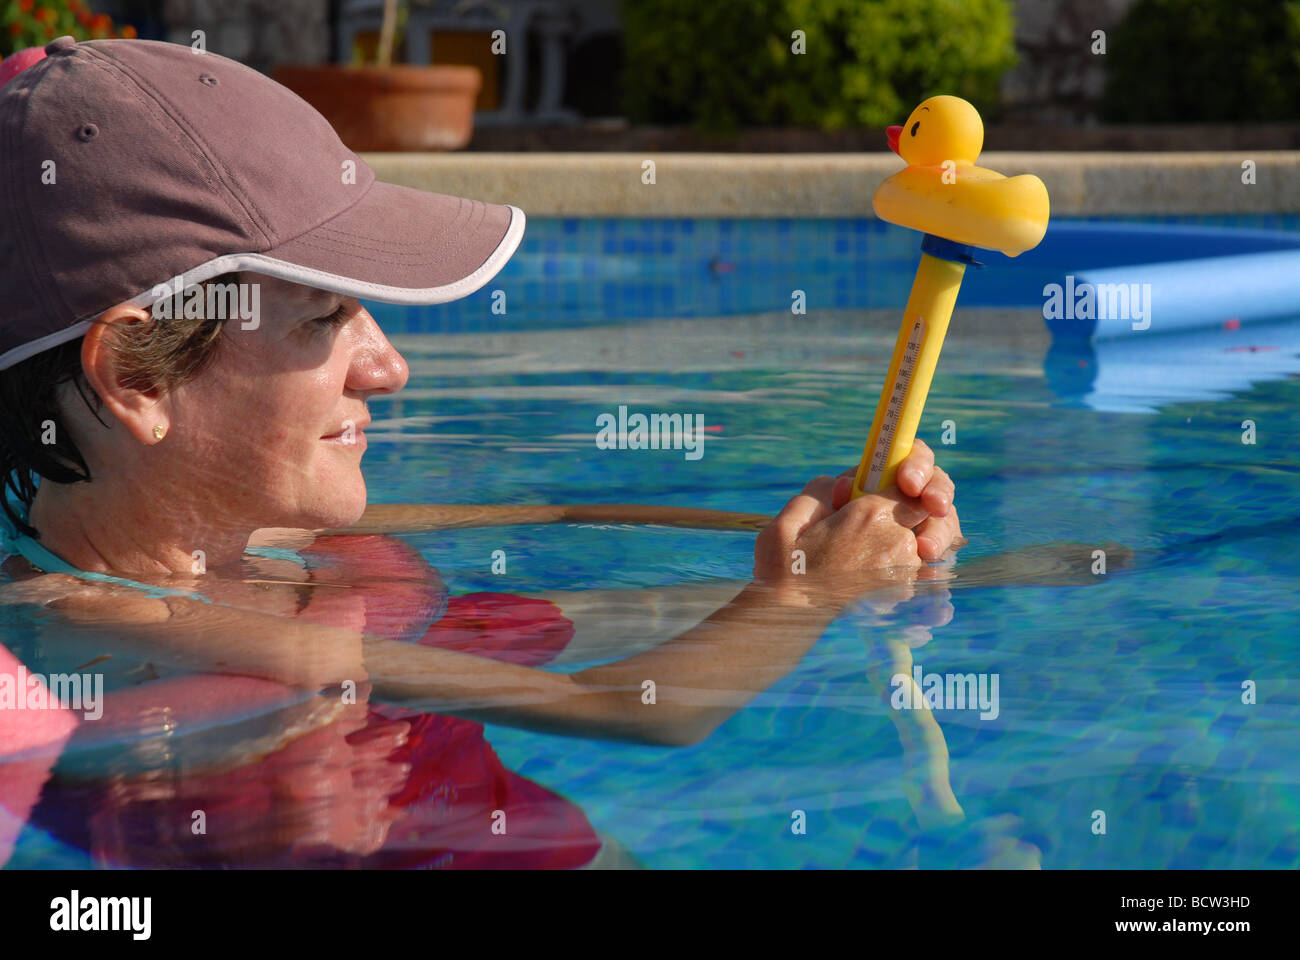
column 894, row 409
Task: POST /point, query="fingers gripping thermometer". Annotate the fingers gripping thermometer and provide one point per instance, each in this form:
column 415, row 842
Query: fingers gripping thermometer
column 957, row 205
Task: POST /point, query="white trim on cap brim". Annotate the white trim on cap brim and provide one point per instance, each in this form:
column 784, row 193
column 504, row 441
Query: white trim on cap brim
column 307, row 276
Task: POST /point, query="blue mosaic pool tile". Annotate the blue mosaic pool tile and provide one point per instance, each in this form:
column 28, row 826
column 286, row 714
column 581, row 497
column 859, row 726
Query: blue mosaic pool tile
column 718, row 267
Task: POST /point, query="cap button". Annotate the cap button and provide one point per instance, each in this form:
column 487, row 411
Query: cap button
column 61, row 45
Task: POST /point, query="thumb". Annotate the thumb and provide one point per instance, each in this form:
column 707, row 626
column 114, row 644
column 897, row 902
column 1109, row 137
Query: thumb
column 840, row 493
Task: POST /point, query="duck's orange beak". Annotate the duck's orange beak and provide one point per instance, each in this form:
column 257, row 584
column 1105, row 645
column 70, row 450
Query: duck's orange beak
column 891, row 137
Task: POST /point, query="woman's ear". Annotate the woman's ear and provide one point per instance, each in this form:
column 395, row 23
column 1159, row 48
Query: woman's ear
column 136, row 410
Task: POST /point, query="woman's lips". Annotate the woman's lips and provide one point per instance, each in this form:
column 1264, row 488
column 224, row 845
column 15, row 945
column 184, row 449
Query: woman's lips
column 353, row 430
column 357, row 439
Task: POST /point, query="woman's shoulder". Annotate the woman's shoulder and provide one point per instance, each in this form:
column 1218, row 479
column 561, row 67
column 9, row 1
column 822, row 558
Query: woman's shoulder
column 387, row 577
column 80, row 599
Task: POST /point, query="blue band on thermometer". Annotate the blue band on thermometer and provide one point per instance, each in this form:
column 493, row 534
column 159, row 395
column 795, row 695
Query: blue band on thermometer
column 949, row 250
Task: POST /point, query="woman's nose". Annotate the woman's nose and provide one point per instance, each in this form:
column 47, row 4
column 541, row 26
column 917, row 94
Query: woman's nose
column 376, row 365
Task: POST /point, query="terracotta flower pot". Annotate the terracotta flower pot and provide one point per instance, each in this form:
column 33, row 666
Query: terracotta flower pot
column 391, row 108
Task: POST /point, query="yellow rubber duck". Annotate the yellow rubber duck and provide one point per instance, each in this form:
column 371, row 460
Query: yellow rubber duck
column 942, row 192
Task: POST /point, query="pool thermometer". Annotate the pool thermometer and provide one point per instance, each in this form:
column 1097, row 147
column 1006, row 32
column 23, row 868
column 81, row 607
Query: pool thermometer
column 957, row 205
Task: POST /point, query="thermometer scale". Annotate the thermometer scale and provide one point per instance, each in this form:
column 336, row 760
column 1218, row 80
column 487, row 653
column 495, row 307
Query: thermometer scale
column 894, row 409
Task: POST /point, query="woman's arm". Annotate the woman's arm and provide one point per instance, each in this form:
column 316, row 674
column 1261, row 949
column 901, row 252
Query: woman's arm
column 609, row 624
column 606, row 623
column 419, row 517
column 673, row 695
column 699, row 679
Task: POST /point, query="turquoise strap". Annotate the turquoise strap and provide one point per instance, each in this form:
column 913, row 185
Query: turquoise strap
column 277, row 553
column 13, row 540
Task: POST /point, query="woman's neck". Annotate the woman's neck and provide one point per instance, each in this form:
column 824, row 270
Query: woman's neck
column 101, row 527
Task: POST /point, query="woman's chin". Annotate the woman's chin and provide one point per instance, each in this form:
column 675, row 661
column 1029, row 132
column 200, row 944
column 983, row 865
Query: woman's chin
column 338, row 509
column 353, row 512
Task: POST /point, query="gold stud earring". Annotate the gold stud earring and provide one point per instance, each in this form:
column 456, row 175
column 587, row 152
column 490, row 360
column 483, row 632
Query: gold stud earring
column 158, row 431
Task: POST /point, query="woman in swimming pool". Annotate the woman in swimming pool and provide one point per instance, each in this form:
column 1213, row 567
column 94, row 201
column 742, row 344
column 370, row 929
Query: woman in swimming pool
column 175, row 169
column 227, row 433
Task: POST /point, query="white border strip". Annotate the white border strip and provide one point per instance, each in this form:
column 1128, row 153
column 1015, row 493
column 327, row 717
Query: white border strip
column 307, row 276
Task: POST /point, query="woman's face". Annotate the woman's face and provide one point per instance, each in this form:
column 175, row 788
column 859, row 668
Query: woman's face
column 276, row 420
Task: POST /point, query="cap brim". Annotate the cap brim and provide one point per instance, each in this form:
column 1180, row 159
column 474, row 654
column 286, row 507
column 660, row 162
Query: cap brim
column 396, row 245
column 401, row 245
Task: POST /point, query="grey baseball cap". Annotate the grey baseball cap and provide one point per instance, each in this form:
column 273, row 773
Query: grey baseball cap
column 128, row 166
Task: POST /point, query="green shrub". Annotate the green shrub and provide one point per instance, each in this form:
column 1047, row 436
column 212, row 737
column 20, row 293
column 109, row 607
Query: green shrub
column 1204, row 61
column 722, row 64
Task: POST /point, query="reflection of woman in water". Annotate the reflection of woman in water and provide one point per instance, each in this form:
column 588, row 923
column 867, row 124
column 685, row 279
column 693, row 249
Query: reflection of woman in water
column 196, row 473
column 343, row 783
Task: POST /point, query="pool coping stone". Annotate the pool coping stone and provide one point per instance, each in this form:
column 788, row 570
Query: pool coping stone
column 586, row 185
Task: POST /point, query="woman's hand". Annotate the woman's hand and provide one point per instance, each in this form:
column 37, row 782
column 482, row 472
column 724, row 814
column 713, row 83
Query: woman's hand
column 841, row 539
column 919, row 478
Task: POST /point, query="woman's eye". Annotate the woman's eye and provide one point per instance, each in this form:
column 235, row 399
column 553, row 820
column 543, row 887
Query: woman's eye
column 914, row 126
column 335, row 318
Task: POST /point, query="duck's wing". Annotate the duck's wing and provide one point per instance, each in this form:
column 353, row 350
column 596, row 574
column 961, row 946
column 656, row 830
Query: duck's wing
column 977, row 206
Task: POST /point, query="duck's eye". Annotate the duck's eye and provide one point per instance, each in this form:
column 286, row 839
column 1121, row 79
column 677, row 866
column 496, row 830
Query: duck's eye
column 914, row 126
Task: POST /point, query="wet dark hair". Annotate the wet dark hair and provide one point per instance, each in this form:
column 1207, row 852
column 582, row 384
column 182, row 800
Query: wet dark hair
column 161, row 355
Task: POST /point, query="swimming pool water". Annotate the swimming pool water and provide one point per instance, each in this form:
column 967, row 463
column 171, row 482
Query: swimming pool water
column 1122, row 694
column 1119, row 693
